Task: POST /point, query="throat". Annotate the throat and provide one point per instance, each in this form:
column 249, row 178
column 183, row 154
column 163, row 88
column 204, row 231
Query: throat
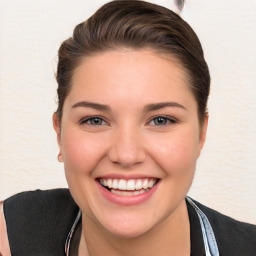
column 169, row 237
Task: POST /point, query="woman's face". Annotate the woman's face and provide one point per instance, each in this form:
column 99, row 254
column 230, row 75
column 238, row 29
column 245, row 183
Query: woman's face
column 129, row 139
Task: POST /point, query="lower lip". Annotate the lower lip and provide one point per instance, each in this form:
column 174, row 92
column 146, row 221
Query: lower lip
column 127, row 200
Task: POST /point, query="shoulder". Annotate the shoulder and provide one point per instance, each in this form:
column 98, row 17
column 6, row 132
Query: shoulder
column 4, row 243
column 40, row 197
column 38, row 207
column 233, row 237
column 44, row 219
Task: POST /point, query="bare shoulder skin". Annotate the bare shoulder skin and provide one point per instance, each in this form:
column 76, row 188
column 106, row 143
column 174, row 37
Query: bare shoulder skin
column 4, row 243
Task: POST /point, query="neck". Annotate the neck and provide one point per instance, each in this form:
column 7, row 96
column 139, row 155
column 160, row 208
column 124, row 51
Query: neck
column 169, row 237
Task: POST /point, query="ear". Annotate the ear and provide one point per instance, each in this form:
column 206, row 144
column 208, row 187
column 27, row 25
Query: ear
column 56, row 126
column 203, row 131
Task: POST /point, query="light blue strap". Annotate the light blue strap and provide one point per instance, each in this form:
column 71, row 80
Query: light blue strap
column 210, row 244
column 68, row 240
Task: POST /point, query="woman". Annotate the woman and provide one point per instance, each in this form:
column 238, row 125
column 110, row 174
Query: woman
column 131, row 122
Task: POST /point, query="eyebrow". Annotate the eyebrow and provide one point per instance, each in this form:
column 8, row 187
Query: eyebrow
column 147, row 108
column 87, row 104
column 157, row 106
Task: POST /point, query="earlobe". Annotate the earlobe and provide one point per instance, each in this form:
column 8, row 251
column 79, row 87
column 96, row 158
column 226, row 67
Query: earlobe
column 203, row 132
column 60, row 158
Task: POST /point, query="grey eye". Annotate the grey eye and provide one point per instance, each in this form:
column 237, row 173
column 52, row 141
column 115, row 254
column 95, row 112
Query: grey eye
column 95, row 121
column 160, row 121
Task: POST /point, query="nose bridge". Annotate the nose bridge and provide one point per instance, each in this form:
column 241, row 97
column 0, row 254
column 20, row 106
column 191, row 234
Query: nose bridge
column 127, row 146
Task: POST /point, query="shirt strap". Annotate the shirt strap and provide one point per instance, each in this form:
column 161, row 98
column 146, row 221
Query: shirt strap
column 210, row 244
column 69, row 237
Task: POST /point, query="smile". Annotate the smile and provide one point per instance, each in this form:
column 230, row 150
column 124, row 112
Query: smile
column 131, row 187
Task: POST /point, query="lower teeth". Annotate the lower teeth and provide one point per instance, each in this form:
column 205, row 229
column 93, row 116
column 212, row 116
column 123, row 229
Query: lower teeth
column 129, row 193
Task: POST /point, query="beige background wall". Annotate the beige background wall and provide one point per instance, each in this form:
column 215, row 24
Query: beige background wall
column 30, row 34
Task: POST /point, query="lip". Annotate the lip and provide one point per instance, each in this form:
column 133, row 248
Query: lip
column 127, row 200
column 125, row 177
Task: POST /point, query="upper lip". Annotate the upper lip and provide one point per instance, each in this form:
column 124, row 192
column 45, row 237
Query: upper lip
column 126, row 177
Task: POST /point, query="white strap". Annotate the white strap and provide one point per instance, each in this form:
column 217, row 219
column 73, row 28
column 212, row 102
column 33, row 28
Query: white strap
column 210, row 244
column 68, row 240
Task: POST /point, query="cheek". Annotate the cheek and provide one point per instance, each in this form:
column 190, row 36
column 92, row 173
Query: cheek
column 177, row 154
column 81, row 151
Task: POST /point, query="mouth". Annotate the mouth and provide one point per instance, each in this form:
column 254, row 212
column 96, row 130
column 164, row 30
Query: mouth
column 128, row 188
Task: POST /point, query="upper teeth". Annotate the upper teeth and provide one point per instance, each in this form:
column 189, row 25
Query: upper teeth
column 132, row 184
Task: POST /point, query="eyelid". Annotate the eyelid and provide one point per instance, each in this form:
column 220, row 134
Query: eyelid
column 84, row 120
column 171, row 119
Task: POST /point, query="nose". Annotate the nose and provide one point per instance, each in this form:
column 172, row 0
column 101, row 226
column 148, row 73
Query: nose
column 127, row 148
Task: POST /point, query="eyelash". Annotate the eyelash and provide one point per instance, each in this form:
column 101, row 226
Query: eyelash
column 167, row 121
column 87, row 120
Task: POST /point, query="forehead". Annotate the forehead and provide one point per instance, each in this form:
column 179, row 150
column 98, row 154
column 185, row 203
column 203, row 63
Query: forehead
column 128, row 74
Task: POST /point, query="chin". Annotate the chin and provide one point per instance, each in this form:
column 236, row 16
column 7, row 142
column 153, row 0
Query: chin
column 127, row 227
column 128, row 233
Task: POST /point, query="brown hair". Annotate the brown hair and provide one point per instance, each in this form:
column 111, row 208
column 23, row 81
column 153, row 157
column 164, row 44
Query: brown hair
column 136, row 25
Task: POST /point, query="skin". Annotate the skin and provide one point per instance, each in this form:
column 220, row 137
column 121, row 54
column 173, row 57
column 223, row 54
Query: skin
column 4, row 243
column 129, row 142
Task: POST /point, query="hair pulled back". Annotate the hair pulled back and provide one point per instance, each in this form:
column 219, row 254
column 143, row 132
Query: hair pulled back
column 135, row 25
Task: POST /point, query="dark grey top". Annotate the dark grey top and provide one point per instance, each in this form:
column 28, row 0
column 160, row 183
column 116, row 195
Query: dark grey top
column 38, row 223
